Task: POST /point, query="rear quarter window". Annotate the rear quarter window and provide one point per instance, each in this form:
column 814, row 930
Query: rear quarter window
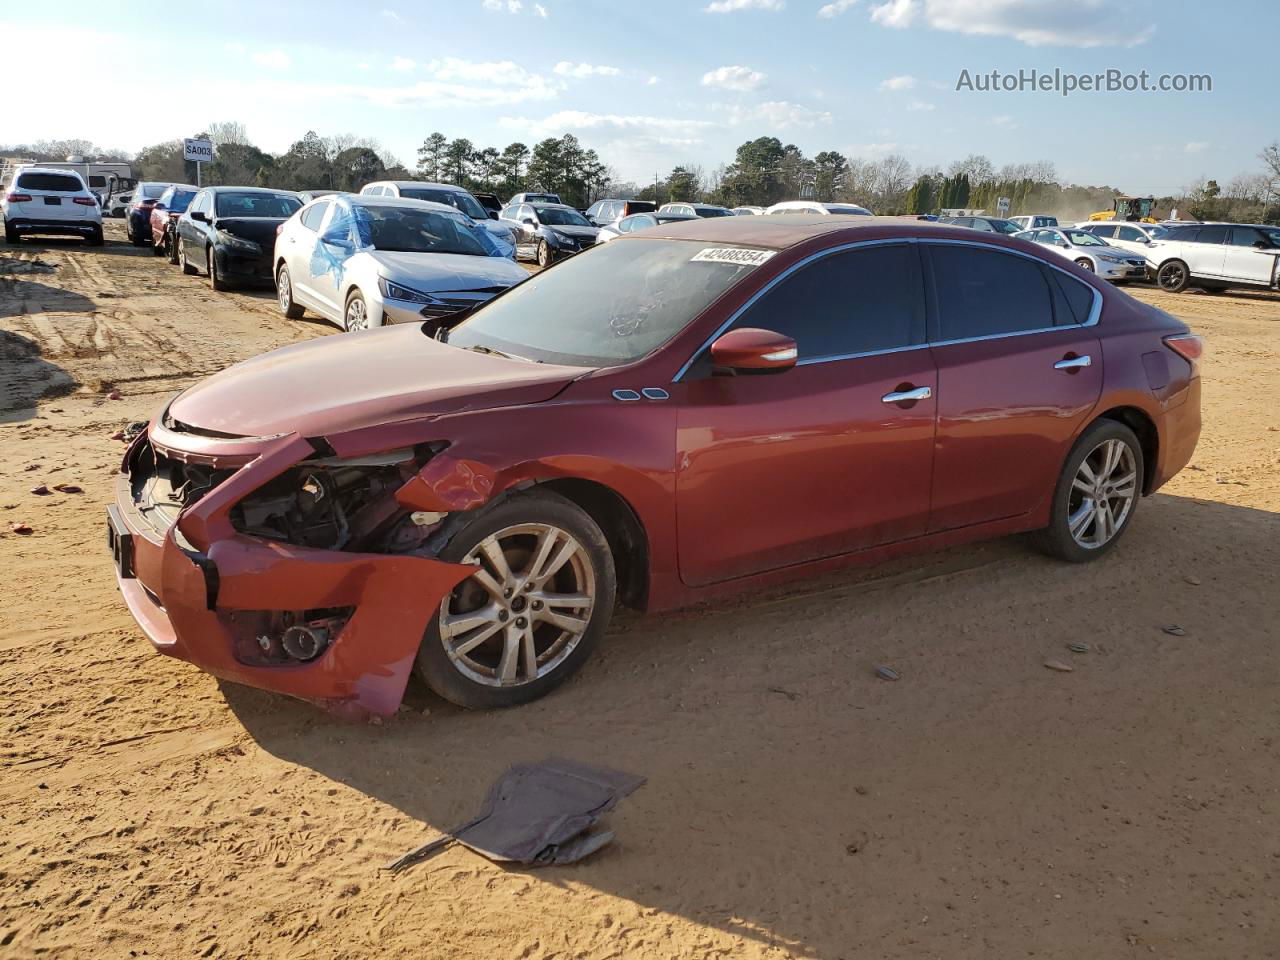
column 50, row 181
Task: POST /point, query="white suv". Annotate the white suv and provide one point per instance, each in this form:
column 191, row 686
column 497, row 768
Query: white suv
column 1216, row 256
column 49, row 201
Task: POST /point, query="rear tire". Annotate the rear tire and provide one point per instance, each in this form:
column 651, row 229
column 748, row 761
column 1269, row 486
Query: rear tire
column 171, row 248
column 1078, row 532
column 159, row 248
column 96, row 238
column 471, row 677
column 10, row 234
column 1173, row 276
column 284, row 294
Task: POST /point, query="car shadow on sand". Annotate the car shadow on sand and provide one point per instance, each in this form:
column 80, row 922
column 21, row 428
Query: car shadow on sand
column 26, row 377
column 796, row 800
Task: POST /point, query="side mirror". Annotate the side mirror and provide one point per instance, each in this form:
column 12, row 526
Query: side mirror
column 200, row 216
column 528, row 221
column 1261, row 245
column 752, row 350
column 493, row 214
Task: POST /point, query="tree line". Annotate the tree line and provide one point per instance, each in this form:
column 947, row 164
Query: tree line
column 763, row 171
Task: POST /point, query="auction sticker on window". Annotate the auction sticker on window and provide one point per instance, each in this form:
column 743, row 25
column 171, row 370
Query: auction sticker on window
column 741, row 256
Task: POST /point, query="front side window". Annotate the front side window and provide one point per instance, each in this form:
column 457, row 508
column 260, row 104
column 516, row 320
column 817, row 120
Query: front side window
column 609, row 305
column 856, row 301
column 985, row 293
column 237, row 203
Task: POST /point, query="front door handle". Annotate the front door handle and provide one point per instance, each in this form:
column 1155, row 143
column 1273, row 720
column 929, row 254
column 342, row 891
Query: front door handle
column 1073, row 363
column 907, row 396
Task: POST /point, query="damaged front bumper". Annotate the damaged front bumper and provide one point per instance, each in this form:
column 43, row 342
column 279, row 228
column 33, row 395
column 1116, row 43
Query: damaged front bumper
column 209, row 594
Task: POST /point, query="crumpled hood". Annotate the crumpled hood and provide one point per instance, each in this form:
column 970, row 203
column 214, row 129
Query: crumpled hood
column 442, row 272
column 577, row 232
column 261, row 230
column 352, row 380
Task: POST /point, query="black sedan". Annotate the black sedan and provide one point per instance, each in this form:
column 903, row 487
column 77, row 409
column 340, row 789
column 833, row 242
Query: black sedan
column 548, row 231
column 230, row 233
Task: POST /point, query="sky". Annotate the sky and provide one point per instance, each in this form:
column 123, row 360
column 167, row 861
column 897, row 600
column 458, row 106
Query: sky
column 665, row 82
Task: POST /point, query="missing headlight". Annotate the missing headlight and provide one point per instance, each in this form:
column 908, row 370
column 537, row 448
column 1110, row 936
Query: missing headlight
column 318, row 506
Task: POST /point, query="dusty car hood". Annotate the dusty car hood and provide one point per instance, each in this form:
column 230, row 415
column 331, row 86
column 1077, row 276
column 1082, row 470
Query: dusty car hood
column 352, row 380
column 441, row 272
column 575, row 231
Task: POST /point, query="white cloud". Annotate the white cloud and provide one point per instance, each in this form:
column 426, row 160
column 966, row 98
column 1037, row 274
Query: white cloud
column 733, row 6
column 871, row 150
column 563, row 120
column 273, row 59
column 1196, row 146
column 541, row 11
column 896, row 13
column 1005, row 121
column 898, row 84
column 402, row 64
column 519, row 83
column 740, row 79
column 391, row 15
column 778, row 115
column 580, row 70
column 1068, row 23
column 511, row 6
column 836, row 8
column 653, row 80
column 920, row 105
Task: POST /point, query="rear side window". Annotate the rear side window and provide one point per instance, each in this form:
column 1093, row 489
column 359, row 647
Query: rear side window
column 50, row 181
column 313, row 215
column 1183, row 234
column 1130, row 233
column 1106, row 232
column 986, row 293
column 1212, row 235
column 858, row 301
column 1072, row 300
column 1246, row 236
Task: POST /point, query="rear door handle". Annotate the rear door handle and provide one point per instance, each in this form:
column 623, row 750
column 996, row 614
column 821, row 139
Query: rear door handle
column 1073, row 363
column 906, row 396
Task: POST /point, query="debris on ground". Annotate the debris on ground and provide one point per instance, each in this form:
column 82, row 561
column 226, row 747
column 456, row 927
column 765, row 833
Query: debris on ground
column 21, row 528
column 67, row 488
column 118, row 435
column 1078, row 647
column 133, row 429
column 886, row 673
column 789, row 694
column 1194, row 581
column 115, row 395
column 1059, row 665
column 40, row 491
column 1174, row 630
column 857, row 843
column 31, row 466
column 538, row 814
column 11, row 266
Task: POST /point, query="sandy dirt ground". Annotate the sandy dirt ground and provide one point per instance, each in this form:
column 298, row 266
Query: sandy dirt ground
column 982, row 806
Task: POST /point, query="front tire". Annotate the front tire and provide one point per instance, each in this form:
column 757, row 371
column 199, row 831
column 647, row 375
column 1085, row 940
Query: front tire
column 1096, row 494
column 284, row 294
column 541, row 598
column 1084, row 263
column 211, row 265
column 546, row 256
column 355, row 316
column 1173, row 277
column 187, row 266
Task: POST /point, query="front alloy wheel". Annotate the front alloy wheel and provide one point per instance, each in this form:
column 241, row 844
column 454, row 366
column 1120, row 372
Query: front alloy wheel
column 1084, row 263
column 356, row 316
column 545, row 256
column 1173, row 276
column 541, row 595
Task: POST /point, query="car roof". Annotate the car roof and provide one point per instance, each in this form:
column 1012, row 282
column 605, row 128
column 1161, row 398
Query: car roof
column 417, row 183
column 36, row 168
column 270, row 190
column 364, row 200
column 785, row 230
column 548, row 203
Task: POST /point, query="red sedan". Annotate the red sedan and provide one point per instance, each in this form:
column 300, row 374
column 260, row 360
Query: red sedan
column 164, row 216
column 697, row 408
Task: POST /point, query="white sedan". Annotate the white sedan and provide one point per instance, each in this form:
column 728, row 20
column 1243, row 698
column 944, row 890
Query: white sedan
column 1089, row 252
column 367, row 261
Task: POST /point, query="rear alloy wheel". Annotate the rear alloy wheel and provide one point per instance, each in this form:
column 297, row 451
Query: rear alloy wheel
column 187, row 266
column 541, row 597
column 211, row 265
column 284, row 294
column 356, row 315
column 1084, row 263
column 545, row 255
column 1097, row 493
column 1173, row 276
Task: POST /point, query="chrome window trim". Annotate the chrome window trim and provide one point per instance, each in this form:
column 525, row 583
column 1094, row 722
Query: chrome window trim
column 778, row 279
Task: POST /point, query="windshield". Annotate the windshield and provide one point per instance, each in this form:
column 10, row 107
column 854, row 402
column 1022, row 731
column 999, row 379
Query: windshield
column 713, row 212
column 1004, row 226
column 609, row 305
column 233, row 203
column 454, row 198
column 180, row 200
column 1082, row 238
column 561, row 217
column 152, row 190
column 407, row 230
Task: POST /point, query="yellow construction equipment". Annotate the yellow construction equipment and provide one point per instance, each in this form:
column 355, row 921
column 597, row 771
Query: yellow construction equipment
column 1130, row 209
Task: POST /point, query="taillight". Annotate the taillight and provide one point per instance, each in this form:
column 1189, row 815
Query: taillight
column 19, row 198
column 1189, row 347
column 279, row 229
column 85, row 201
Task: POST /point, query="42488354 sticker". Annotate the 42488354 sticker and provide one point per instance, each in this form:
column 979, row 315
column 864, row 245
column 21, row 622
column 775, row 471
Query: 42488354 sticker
column 739, row 256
